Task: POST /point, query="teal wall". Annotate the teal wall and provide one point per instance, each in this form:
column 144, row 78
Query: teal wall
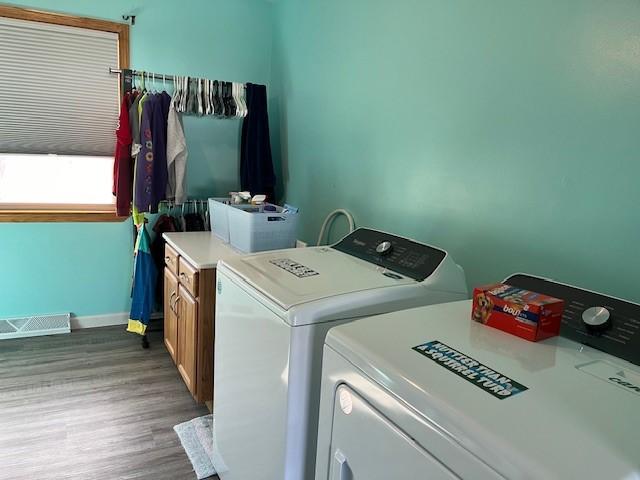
column 505, row 131
column 86, row 268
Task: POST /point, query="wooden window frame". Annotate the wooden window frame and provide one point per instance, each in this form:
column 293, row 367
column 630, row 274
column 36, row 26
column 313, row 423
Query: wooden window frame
column 61, row 213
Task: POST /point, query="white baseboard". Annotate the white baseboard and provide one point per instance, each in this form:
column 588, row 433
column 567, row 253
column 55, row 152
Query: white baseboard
column 107, row 320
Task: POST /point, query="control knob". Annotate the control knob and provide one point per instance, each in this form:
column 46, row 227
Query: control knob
column 596, row 319
column 384, row 248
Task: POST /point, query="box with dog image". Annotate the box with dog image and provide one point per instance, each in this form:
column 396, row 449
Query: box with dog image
column 530, row 315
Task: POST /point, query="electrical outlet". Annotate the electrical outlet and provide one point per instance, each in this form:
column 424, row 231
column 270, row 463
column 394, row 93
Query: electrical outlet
column 300, row 244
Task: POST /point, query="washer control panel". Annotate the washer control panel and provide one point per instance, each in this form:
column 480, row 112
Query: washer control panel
column 605, row 323
column 406, row 257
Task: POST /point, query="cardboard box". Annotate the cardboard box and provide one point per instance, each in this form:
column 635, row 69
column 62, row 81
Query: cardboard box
column 529, row 315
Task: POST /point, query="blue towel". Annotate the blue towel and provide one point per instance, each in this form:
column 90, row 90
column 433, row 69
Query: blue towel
column 144, row 284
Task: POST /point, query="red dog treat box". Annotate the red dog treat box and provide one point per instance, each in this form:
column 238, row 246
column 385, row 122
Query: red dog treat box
column 529, row 315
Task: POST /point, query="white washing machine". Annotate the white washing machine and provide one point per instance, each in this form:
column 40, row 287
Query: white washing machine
column 428, row 393
column 272, row 314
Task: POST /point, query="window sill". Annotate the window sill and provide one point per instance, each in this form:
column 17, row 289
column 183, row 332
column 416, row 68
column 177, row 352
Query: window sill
column 36, row 216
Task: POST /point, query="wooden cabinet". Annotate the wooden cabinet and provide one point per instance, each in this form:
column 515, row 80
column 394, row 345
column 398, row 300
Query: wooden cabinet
column 189, row 305
column 189, row 277
column 170, row 313
column 171, row 259
column 187, row 338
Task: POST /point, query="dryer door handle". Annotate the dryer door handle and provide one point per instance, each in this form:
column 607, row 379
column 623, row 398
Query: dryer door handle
column 341, row 470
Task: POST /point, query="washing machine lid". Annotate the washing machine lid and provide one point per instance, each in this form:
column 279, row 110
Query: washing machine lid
column 302, row 275
column 552, row 409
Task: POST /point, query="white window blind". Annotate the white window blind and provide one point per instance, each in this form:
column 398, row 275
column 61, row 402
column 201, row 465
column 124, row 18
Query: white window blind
column 56, row 95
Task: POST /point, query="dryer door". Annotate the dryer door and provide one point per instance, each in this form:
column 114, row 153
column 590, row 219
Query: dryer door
column 366, row 445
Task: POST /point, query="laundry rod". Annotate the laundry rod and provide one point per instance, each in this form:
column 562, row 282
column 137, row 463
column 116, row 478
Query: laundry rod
column 140, row 73
column 157, row 76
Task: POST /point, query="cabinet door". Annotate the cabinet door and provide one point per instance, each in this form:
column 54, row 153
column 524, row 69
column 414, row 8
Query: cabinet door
column 170, row 316
column 187, row 338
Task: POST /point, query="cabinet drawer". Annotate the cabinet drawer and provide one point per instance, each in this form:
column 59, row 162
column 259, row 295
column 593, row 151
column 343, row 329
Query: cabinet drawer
column 171, row 259
column 188, row 277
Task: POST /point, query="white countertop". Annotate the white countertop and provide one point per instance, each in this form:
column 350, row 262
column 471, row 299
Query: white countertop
column 201, row 249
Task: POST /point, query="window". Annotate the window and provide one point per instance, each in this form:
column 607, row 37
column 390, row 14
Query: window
column 58, row 114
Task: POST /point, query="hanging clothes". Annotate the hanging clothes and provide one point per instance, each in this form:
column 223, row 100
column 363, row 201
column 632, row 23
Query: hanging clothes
column 123, row 163
column 134, row 124
column 159, row 137
column 136, row 119
column 193, row 221
column 256, row 165
column 144, row 284
column 144, row 163
column 151, row 165
column 176, row 157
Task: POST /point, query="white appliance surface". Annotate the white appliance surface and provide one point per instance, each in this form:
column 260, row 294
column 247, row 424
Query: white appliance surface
column 577, row 418
column 336, row 274
column 273, row 311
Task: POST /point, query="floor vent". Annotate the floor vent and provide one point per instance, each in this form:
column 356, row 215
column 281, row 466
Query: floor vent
column 35, row 326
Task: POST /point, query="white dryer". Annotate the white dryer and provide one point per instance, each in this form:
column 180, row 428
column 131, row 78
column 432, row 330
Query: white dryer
column 272, row 314
column 428, row 393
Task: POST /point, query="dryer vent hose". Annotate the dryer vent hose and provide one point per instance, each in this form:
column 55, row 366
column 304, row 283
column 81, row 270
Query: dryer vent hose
column 331, row 217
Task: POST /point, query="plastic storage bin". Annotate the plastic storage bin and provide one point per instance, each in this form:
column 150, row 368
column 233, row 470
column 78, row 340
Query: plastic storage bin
column 219, row 218
column 254, row 230
column 250, row 229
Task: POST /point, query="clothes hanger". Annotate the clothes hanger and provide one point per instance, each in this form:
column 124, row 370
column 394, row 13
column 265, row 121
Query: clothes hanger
column 214, row 98
column 241, row 97
column 133, row 83
column 209, row 99
column 192, row 102
column 225, row 99
column 196, row 104
column 232, row 109
column 244, row 99
column 217, row 108
column 223, row 105
column 234, row 94
column 143, row 85
column 238, row 100
column 178, row 83
column 232, row 99
column 207, row 219
column 176, row 92
column 200, row 98
column 181, row 94
column 205, row 95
